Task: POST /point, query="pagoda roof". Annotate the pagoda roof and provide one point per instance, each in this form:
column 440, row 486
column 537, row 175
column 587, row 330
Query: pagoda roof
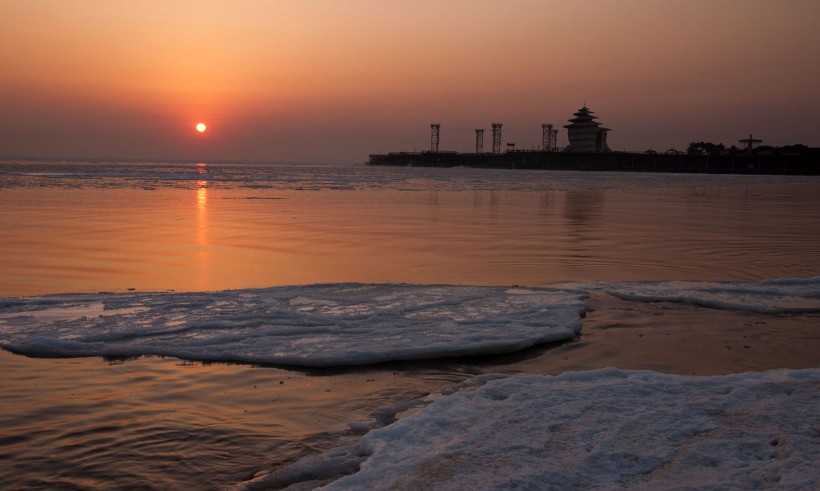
column 583, row 117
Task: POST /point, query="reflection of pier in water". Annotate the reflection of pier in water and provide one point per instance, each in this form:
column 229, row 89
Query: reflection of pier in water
column 582, row 207
column 582, row 212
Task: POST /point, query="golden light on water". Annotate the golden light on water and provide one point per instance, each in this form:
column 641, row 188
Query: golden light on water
column 202, row 209
column 202, row 202
column 202, row 240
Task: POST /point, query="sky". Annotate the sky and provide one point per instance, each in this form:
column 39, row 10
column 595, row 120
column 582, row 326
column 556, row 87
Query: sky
column 336, row 80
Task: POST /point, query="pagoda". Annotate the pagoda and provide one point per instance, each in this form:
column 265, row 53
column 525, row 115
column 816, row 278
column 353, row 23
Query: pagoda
column 585, row 134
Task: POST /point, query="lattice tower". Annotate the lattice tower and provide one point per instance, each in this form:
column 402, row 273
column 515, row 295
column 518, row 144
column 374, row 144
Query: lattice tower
column 496, row 137
column 549, row 138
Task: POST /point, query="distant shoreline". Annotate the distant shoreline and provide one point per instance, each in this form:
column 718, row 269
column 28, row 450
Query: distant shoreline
column 611, row 161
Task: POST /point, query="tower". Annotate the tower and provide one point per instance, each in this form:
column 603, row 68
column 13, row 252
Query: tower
column 549, row 138
column 585, row 134
column 479, row 140
column 496, row 137
column 434, row 137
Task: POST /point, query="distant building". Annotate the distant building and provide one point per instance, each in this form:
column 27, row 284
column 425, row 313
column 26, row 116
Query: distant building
column 585, row 134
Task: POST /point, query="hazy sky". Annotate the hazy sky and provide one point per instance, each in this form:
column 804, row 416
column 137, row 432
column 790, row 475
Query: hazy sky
column 334, row 80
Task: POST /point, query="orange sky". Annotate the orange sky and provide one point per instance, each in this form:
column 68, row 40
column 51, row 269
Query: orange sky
column 335, row 80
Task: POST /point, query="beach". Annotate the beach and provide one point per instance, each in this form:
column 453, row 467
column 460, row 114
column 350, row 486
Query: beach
column 681, row 339
column 204, row 420
column 166, row 422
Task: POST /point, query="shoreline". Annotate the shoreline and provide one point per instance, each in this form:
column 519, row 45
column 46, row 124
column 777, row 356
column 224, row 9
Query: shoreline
column 267, row 417
column 667, row 337
column 682, row 339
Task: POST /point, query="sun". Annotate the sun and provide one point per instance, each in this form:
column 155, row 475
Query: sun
column 200, row 127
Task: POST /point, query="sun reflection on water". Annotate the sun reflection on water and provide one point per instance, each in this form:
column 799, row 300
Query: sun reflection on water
column 202, row 240
column 202, row 213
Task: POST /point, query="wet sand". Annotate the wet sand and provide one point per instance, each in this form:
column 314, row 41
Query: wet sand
column 682, row 339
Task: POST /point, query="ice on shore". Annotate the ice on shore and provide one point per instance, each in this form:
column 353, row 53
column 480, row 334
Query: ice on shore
column 768, row 297
column 601, row 429
column 315, row 325
column 348, row 324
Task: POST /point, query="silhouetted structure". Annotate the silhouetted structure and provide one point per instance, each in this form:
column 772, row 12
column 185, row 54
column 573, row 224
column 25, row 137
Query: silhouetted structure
column 549, row 138
column 750, row 143
column 434, row 137
column 588, row 151
column 612, row 162
column 496, row 137
column 585, row 134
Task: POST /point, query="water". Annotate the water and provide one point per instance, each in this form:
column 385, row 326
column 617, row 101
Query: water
column 156, row 423
column 87, row 227
column 160, row 423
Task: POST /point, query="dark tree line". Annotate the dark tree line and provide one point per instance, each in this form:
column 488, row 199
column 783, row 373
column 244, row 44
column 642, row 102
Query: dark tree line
column 706, row 148
column 709, row 148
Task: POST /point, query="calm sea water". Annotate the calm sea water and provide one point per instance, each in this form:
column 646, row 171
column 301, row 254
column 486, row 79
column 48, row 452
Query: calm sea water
column 157, row 423
column 101, row 226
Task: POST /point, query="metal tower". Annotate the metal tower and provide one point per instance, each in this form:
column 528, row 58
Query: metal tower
column 496, row 137
column 549, row 138
column 479, row 140
column 434, row 137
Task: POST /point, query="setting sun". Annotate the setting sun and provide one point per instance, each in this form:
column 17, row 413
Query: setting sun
column 200, row 127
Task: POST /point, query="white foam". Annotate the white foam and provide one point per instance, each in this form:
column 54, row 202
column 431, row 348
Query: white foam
column 318, row 325
column 603, row 429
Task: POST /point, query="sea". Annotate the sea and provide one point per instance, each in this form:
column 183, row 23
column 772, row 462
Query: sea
column 205, row 325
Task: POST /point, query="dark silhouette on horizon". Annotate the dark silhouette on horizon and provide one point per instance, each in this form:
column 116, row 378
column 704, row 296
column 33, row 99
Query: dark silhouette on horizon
column 588, row 151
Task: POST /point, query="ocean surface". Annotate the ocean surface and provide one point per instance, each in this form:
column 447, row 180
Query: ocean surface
column 173, row 325
column 110, row 226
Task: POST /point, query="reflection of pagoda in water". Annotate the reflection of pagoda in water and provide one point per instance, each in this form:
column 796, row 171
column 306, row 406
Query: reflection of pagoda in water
column 585, row 134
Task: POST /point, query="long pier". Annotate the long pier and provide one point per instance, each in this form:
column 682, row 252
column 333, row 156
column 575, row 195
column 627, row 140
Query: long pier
column 611, row 161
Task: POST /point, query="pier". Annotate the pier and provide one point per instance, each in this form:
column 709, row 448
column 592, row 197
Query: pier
column 588, row 151
column 613, row 161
